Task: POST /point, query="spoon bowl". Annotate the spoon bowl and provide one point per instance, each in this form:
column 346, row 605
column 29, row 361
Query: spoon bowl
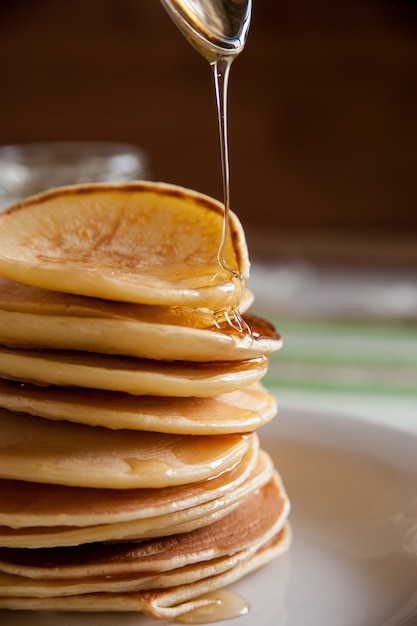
column 216, row 28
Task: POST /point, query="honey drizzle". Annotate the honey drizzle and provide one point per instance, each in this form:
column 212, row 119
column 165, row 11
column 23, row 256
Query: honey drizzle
column 229, row 316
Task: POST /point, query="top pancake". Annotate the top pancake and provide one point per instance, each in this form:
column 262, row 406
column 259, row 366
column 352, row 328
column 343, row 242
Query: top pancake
column 140, row 242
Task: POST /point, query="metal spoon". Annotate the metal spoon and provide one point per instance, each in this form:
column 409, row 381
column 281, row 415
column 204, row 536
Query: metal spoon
column 216, row 28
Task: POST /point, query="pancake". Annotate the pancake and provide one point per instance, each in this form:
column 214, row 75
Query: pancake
column 219, row 539
column 242, row 410
column 27, row 587
column 24, row 504
column 38, row 318
column 20, row 298
column 135, row 530
column 164, row 525
column 143, row 242
column 127, row 374
column 40, row 450
column 138, row 339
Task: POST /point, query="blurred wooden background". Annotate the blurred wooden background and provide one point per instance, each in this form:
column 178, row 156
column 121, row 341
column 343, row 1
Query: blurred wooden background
column 323, row 106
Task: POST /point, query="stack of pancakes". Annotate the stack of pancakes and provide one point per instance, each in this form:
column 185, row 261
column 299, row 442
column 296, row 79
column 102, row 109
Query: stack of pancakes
column 131, row 476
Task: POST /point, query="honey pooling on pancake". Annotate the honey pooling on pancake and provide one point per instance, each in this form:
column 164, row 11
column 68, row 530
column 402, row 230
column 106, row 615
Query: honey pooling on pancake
column 132, row 475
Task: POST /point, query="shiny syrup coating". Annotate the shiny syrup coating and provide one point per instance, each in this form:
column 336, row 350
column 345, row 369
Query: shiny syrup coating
column 261, row 328
column 255, row 326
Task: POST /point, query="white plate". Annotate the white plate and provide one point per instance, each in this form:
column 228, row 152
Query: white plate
column 353, row 561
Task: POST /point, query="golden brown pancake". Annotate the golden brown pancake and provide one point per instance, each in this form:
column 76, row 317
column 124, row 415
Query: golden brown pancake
column 21, row 298
column 27, row 587
column 38, row 318
column 143, row 242
column 64, row 453
column 242, row 410
column 127, row 374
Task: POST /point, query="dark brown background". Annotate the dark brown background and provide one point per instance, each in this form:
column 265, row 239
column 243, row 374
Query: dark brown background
column 323, row 106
